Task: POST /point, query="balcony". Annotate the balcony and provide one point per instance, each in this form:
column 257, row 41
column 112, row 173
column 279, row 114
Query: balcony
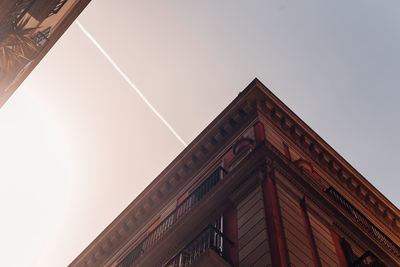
column 208, row 248
column 366, row 224
column 176, row 215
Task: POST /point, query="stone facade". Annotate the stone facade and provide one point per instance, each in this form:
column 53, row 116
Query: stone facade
column 256, row 188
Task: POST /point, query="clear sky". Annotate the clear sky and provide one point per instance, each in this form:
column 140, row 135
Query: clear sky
column 78, row 144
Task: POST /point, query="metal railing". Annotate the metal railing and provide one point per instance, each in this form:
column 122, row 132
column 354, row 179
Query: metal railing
column 209, row 238
column 57, row 7
column 368, row 260
column 41, row 36
column 366, row 224
column 180, row 211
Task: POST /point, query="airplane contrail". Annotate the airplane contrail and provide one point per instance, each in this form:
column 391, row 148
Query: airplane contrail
column 130, row 82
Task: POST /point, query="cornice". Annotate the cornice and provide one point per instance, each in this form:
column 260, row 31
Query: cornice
column 313, row 191
column 327, row 158
column 255, row 99
column 245, row 175
column 200, row 152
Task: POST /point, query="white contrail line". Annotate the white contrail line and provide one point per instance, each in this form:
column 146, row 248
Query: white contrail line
column 130, row 83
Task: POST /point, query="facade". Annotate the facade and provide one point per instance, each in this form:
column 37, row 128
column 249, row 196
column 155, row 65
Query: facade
column 28, row 29
column 257, row 187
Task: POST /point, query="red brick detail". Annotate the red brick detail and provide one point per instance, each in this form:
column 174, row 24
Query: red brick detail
column 339, row 250
column 259, row 133
column 153, row 226
column 286, row 151
column 276, row 238
column 310, row 236
column 231, row 231
column 301, row 163
column 316, row 175
column 227, row 158
column 182, row 198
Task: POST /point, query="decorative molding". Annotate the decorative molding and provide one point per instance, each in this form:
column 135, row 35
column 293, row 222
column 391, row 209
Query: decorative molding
column 294, row 179
column 118, row 236
column 255, row 101
column 327, row 158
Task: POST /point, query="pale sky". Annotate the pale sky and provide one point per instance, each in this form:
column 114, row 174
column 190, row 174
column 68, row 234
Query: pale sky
column 78, row 144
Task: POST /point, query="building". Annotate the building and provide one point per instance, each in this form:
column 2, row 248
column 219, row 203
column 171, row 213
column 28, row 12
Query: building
column 257, row 187
column 28, row 29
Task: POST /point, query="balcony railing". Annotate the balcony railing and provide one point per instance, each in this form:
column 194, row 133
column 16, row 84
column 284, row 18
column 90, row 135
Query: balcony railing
column 368, row 260
column 366, row 224
column 57, row 7
column 209, row 238
column 180, row 211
